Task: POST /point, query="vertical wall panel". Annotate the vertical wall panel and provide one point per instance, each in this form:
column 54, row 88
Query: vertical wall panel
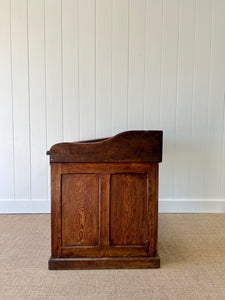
column 215, row 160
column 53, row 71
column 184, row 98
column 153, row 52
column 137, row 24
column 53, row 44
column 71, row 120
column 20, row 98
column 103, row 68
column 120, row 64
column 6, row 122
column 87, row 62
column 169, row 93
column 201, row 98
column 37, row 99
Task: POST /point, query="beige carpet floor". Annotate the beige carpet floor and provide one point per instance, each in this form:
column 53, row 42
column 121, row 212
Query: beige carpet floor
column 191, row 248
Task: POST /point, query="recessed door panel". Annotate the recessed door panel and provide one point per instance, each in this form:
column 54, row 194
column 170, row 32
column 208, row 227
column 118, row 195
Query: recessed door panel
column 80, row 210
column 128, row 209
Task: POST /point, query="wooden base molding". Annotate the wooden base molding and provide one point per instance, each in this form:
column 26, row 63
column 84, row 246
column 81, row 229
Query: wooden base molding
column 104, row 263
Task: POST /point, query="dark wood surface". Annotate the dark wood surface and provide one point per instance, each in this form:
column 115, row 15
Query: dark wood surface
column 104, row 168
column 129, row 146
column 104, row 251
column 104, row 215
column 80, row 218
column 56, row 239
column 128, row 211
column 104, row 263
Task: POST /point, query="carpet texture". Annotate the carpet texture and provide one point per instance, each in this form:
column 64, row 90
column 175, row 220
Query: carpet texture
column 191, row 248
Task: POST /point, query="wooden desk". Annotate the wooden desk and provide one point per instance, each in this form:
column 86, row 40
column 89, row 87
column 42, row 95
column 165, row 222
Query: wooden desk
column 104, row 202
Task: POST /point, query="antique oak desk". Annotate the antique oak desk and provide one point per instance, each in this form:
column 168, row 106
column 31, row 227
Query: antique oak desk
column 104, row 202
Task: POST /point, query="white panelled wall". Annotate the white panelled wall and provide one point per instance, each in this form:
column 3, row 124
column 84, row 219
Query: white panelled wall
column 79, row 69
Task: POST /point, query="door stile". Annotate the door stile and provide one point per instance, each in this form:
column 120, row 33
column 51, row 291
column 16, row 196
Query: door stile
column 104, row 201
column 56, row 209
column 152, row 208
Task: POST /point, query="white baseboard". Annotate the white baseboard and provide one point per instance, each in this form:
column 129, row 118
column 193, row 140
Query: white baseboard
column 24, row 206
column 38, row 206
column 192, row 206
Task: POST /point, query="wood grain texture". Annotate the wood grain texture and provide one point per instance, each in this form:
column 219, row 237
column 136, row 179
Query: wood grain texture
column 105, row 210
column 80, row 210
column 144, row 146
column 56, row 209
column 128, row 209
column 152, row 209
column 104, row 168
column 104, row 200
column 104, row 251
column 103, row 263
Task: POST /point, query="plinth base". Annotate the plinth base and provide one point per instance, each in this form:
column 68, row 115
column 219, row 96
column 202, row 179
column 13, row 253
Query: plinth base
column 103, row 263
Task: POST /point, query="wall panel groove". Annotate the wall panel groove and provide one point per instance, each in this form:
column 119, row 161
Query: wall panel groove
column 37, row 96
column 28, row 88
column 200, row 105
column 177, row 99
column 209, row 103
column 20, row 98
column 7, row 162
column 192, row 99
